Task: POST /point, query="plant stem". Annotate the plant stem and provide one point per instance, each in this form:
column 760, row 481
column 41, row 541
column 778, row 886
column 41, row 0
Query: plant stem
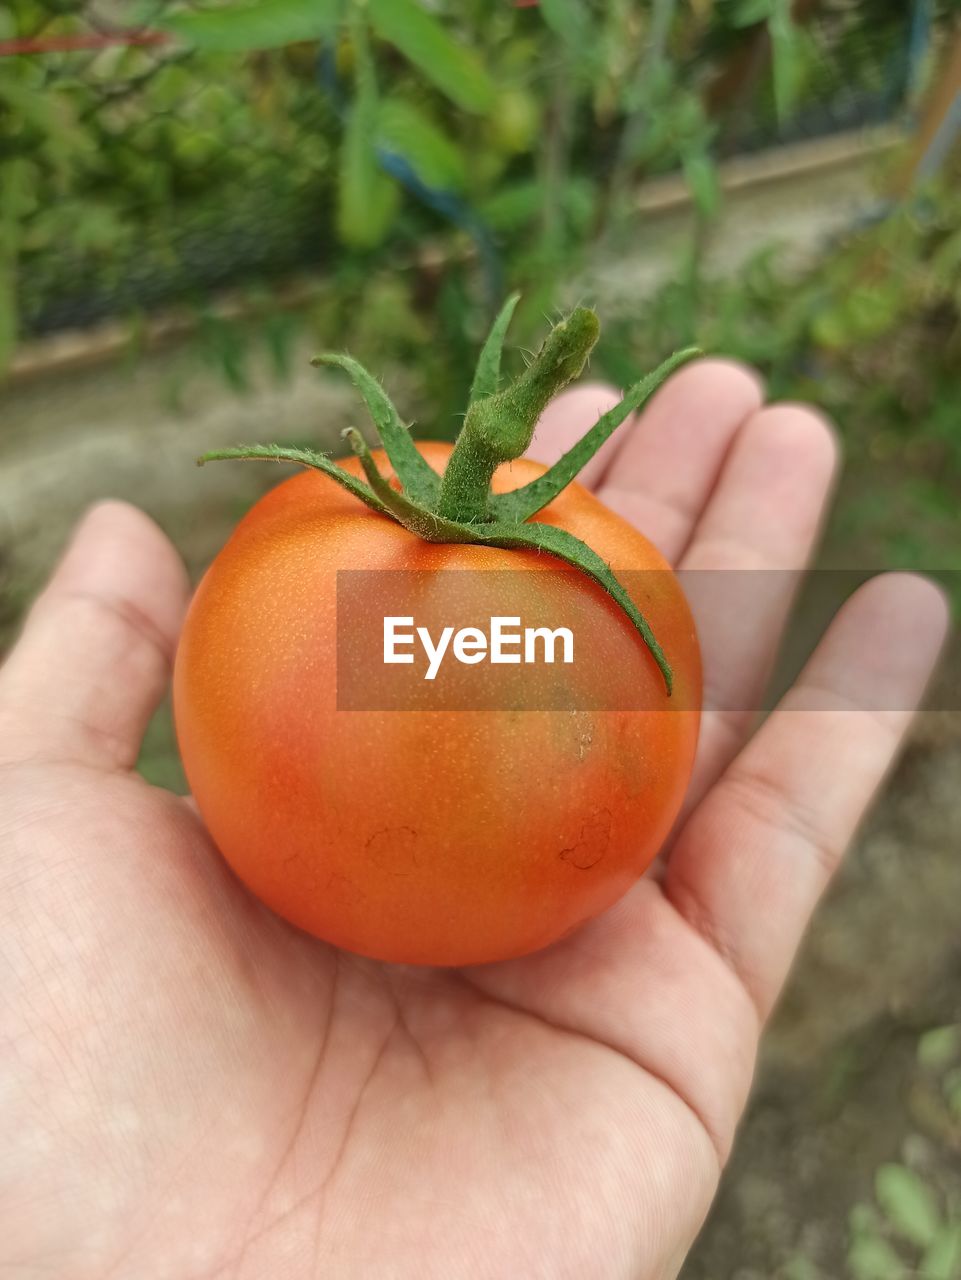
column 662, row 17
column 555, row 158
column 499, row 428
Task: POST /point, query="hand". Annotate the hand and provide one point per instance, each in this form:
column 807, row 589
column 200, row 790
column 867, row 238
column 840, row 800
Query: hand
column 193, row 1090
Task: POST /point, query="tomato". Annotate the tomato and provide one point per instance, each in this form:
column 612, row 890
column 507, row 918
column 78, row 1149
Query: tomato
column 515, row 120
column 427, row 837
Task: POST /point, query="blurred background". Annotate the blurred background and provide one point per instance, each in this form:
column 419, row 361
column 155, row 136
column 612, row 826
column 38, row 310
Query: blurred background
column 196, row 196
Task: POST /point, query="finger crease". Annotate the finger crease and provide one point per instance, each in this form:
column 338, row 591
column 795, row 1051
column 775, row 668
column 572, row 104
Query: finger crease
column 133, row 619
column 767, row 803
column 691, row 906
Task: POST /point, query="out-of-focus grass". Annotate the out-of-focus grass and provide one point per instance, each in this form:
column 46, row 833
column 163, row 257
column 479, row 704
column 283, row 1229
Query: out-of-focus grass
column 159, row 759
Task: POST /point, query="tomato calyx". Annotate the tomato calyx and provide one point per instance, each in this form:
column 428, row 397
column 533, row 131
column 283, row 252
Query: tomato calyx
column 459, row 507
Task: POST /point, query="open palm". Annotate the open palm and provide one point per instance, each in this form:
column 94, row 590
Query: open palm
column 193, row 1089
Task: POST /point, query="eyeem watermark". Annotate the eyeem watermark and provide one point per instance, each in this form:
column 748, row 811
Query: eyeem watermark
column 550, row 641
column 503, row 643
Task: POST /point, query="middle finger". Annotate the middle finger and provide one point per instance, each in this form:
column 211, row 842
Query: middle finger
column 742, row 567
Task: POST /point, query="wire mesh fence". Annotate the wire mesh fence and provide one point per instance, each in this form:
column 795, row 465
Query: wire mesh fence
column 153, row 172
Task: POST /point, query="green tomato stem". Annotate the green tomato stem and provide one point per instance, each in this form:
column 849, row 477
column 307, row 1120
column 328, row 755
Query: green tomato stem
column 498, row 428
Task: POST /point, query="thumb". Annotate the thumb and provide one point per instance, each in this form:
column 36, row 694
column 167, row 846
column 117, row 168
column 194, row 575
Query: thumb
column 95, row 654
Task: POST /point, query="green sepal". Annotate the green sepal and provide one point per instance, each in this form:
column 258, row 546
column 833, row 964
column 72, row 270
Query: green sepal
column 303, row 458
column 418, row 519
column 560, row 543
column 521, row 504
column 487, row 376
column 414, row 472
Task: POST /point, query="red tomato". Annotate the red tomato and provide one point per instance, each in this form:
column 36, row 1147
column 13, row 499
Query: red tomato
column 426, row 837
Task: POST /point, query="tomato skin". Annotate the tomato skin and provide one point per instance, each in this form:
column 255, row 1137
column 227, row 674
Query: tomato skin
column 422, row 837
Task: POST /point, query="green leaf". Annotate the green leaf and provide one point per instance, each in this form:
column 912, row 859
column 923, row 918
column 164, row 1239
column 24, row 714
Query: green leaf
column 872, row 1258
column 952, row 1087
column 516, row 205
column 513, row 206
column 799, row 1267
column 701, row 174
column 436, row 160
column 786, row 58
column 52, row 116
column 14, row 179
column 224, row 345
column 487, row 376
column 280, row 329
column 943, row 1260
column 302, row 457
column 8, row 311
column 939, row 1047
column 419, row 479
column 908, row 1204
column 749, row 12
column 558, row 542
column 265, row 25
column 571, row 21
column 453, row 69
column 367, row 199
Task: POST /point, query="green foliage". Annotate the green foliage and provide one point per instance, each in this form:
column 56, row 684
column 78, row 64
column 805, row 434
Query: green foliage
column 537, row 120
column 908, row 1237
column 366, row 199
column 939, row 1047
column 952, row 1092
column 570, row 20
column 268, row 24
column 908, row 1204
column 872, row 1258
column 487, row 375
column 786, row 56
column 407, row 129
column 701, row 175
column 800, row 1268
column 745, row 13
column 450, row 66
column 912, row 1228
column 127, row 162
column 942, row 1261
column 872, row 333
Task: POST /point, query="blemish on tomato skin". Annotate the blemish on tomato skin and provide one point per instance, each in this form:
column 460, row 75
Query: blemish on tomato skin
column 394, row 849
column 592, row 845
column 340, row 887
column 294, row 866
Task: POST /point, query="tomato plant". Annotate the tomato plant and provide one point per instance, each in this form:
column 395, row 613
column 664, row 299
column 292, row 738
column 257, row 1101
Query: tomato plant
column 438, row 836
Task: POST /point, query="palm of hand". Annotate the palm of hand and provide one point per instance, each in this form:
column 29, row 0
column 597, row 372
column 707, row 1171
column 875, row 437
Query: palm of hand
column 237, row 1095
column 199, row 1090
